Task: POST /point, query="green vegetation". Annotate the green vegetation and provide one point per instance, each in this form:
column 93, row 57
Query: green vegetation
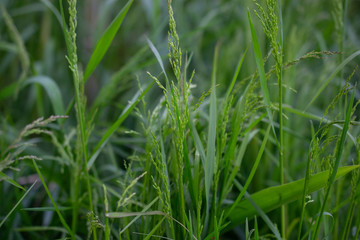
column 179, row 120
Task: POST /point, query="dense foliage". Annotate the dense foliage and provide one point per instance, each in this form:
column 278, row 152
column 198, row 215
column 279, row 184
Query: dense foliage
column 179, row 120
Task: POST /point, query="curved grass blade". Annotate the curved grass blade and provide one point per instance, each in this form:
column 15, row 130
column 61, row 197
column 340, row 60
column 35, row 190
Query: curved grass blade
column 158, row 58
column 54, row 10
column 136, row 99
column 5, row 177
column 62, row 220
column 328, row 80
column 52, row 91
column 17, row 204
column 105, row 40
column 273, row 197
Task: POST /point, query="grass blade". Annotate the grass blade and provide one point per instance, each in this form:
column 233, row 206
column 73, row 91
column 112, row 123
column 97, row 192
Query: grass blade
column 236, row 74
column 64, row 28
column 259, row 211
column 105, row 40
column 62, row 220
column 150, row 234
column 273, row 197
column 339, row 150
column 45, row 209
column 17, row 204
column 54, row 10
column 16, row 37
column 158, row 58
column 328, row 80
column 5, row 177
column 210, row 154
column 150, row 213
column 252, row 173
column 52, row 90
column 136, row 99
column 198, row 144
column 147, row 207
column 261, row 69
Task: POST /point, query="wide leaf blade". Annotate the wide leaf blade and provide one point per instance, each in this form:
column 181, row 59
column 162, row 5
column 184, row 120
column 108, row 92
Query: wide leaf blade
column 273, row 197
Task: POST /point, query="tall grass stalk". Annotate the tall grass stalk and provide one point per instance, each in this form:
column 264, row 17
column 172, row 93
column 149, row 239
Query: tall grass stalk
column 270, row 23
column 80, row 107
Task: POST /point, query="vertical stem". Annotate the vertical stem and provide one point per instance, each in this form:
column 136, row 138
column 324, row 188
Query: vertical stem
column 281, row 155
column 70, row 37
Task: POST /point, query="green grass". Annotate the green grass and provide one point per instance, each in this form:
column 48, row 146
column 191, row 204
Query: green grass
column 179, row 120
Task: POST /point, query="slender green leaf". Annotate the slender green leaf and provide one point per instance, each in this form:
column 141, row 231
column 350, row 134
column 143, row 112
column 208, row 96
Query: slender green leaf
column 209, row 167
column 338, row 154
column 260, row 66
column 54, row 10
column 333, row 74
column 256, row 229
column 52, row 90
column 150, row 213
column 198, row 144
column 252, row 173
column 147, row 207
column 236, row 74
column 19, row 42
column 17, row 204
column 238, row 159
column 273, row 197
column 44, row 209
column 211, row 236
column 158, row 58
column 136, row 99
column 259, row 211
column 62, row 220
column 5, row 177
column 105, row 40
column 41, row 228
column 261, row 70
column 154, row 229
column 64, row 28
